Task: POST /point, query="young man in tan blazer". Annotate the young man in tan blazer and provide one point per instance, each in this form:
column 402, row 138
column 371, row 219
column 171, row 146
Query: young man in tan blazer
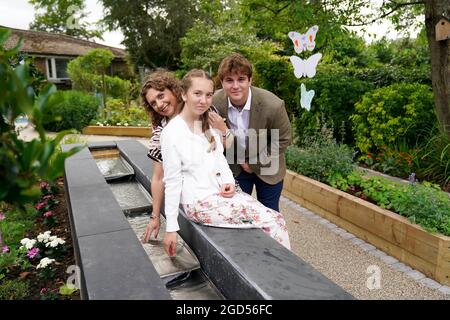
column 262, row 130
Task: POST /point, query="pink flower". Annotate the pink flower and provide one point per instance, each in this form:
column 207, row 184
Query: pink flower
column 32, row 253
column 2, row 216
column 48, row 214
column 40, row 205
column 43, row 291
column 5, row 249
column 43, row 185
column 49, row 196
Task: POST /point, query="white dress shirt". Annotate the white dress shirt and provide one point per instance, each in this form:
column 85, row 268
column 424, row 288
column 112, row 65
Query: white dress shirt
column 239, row 120
column 191, row 173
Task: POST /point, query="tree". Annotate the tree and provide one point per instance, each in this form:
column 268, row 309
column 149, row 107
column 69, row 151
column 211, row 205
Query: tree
column 212, row 39
column 63, row 16
column 274, row 17
column 95, row 62
column 152, row 28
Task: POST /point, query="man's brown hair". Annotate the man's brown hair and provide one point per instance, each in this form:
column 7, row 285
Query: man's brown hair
column 233, row 64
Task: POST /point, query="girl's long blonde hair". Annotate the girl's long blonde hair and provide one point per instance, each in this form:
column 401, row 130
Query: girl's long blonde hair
column 186, row 83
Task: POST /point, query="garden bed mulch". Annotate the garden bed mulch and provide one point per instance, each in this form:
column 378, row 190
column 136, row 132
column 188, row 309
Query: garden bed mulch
column 61, row 229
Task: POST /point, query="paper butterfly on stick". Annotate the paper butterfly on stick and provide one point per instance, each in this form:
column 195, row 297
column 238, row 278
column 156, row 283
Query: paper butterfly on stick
column 306, row 67
column 306, row 97
column 304, row 41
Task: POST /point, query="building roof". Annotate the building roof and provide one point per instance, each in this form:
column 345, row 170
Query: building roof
column 46, row 43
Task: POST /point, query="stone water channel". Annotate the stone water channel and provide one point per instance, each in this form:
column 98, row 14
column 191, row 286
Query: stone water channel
column 181, row 274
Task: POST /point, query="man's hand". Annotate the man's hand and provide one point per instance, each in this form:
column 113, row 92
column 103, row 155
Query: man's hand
column 246, row 167
column 152, row 227
column 170, row 243
column 227, row 190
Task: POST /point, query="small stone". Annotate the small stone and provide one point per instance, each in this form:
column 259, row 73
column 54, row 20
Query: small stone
column 338, row 230
column 357, row 241
column 430, row 283
column 347, row 235
column 388, row 260
column 367, row 247
column 416, row 275
column 377, row 253
column 323, row 221
column 400, row 266
column 445, row 290
column 331, row 225
column 316, row 217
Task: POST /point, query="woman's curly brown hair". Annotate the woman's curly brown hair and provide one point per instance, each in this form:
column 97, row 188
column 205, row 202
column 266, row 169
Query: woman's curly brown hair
column 159, row 80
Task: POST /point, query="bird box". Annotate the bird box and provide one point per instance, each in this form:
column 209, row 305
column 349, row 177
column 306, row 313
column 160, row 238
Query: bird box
column 443, row 30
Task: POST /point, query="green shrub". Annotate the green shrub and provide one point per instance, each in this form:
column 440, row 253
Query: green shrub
column 277, row 76
column 324, row 161
column 75, row 111
column 399, row 112
column 434, row 164
column 117, row 113
column 336, row 93
column 14, row 290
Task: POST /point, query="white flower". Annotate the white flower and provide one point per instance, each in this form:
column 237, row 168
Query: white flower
column 118, row 124
column 100, row 124
column 125, row 124
column 139, row 124
column 30, row 244
column 44, row 237
column 54, row 242
column 44, row 263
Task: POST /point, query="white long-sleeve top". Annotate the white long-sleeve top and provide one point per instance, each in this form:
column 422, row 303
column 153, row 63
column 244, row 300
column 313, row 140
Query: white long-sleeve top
column 191, row 173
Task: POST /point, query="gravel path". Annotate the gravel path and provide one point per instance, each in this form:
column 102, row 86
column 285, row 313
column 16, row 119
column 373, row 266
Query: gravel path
column 346, row 263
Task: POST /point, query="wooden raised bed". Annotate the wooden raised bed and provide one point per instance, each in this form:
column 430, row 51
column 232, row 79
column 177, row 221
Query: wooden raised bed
column 118, row 131
column 388, row 231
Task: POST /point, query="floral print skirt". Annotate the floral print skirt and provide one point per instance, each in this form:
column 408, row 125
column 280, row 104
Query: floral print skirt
column 240, row 211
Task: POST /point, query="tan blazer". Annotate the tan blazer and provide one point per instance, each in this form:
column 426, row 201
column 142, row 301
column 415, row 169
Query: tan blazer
column 266, row 157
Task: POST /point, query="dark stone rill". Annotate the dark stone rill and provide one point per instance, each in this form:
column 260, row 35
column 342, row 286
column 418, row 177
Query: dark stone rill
column 243, row 264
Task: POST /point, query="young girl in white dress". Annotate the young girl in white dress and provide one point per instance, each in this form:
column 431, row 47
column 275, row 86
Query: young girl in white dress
column 197, row 175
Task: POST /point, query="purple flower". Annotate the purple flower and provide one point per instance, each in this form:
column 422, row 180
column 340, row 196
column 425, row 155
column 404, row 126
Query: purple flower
column 43, row 291
column 32, row 253
column 2, row 216
column 5, row 249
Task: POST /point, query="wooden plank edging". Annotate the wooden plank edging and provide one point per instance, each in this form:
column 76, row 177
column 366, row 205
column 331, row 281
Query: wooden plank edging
column 388, row 231
column 118, row 131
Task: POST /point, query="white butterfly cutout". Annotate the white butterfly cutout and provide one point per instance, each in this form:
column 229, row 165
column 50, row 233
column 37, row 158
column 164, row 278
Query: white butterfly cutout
column 306, row 97
column 306, row 67
column 304, row 41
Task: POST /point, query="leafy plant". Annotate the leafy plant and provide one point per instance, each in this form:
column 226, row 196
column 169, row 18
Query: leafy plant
column 435, row 160
column 75, row 111
column 390, row 114
column 321, row 159
column 24, row 163
column 14, row 290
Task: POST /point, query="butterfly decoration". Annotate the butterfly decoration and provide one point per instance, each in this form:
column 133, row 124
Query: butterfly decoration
column 306, row 67
column 306, row 97
column 304, row 41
